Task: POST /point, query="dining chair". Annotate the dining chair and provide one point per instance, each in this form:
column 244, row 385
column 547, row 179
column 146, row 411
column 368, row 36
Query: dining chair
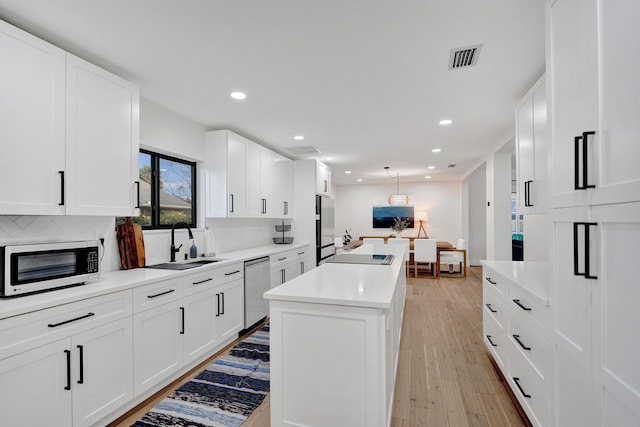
column 425, row 252
column 451, row 258
column 406, row 243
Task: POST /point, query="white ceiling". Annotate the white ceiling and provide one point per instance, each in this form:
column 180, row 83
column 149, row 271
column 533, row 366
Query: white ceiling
column 365, row 81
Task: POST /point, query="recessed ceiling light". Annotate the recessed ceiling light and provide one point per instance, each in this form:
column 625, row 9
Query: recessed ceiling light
column 238, row 95
column 359, row 180
column 298, row 137
column 431, row 167
column 436, row 150
column 347, row 172
column 427, row 177
column 445, row 122
column 328, row 158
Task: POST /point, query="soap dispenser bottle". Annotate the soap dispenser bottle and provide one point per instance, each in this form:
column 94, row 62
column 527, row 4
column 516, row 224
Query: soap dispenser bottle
column 193, row 251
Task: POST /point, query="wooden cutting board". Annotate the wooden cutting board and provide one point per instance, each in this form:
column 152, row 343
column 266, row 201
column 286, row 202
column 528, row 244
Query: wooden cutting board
column 131, row 244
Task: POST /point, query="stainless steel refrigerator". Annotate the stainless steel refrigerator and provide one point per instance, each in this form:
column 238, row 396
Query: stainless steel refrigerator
column 325, row 233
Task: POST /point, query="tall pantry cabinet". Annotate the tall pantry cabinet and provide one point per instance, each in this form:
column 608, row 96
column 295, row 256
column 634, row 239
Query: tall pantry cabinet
column 593, row 64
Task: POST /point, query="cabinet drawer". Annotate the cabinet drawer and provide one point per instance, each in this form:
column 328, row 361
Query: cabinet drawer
column 494, row 338
column 156, row 294
column 532, row 346
column 194, row 283
column 527, row 308
column 529, row 390
column 29, row 330
column 278, row 260
column 229, row 273
column 493, row 305
column 490, row 277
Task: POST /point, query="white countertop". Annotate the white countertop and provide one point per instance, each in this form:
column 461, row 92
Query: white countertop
column 355, row 285
column 533, row 277
column 114, row 281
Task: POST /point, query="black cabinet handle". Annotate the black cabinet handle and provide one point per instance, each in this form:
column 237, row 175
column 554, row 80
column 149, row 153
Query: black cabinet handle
column 576, row 249
column 286, row 208
column 232, row 207
column 222, row 311
column 488, row 279
column 68, row 353
column 519, row 304
column 55, row 325
column 282, row 276
column 491, row 309
column 524, row 347
column 264, row 206
column 517, row 381
column 527, row 194
column 160, row 294
column 137, row 195
column 182, row 316
column 61, row 188
column 491, row 342
column 585, row 161
column 202, row 281
column 325, row 185
column 81, row 359
column 218, row 308
column 282, row 259
column 232, row 273
column 302, row 267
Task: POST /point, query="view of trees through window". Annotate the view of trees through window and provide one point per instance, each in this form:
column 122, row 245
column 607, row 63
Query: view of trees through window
column 167, row 191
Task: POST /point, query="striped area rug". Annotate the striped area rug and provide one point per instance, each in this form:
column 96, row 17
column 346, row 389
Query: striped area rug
column 224, row 394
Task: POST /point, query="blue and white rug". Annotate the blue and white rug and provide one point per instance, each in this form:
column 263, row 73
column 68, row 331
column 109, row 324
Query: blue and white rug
column 224, row 394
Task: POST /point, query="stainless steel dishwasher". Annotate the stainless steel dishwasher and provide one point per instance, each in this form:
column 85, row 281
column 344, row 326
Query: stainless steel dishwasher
column 257, row 276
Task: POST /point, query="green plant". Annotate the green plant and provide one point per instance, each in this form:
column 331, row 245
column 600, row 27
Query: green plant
column 399, row 224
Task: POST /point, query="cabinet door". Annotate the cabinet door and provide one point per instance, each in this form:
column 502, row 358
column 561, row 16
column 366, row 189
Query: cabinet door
column 33, row 387
column 103, row 371
column 102, row 141
column 236, row 173
column 277, row 276
column 31, row 124
column 157, row 350
column 199, row 324
column 255, row 205
column 572, row 73
column 323, row 179
column 267, row 182
column 615, row 304
column 538, row 192
column 285, row 186
column 525, row 158
column 292, row 270
column 230, row 310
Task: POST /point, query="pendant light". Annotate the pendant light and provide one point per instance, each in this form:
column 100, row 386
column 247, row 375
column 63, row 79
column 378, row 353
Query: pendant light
column 397, row 199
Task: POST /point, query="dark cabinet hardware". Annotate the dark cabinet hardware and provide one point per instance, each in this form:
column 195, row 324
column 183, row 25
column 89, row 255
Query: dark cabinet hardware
column 576, row 249
column 285, row 210
column 161, row 293
column 326, row 185
column 137, row 195
column 68, row 353
column 301, row 253
column 232, row 207
column 81, row 360
column 61, row 188
column 302, row 267
column 264, row 206
column 218, row 305
column 222, row 311
column 282, row 276
column 232, row 273
column 527, row 194
column 203, row 281
column 182, row 318
column 585, row 161
column 282, row 259
column 491, row 308
column 54, row 325
column 517, row 381
column 488, row 279
column 491, row 342
column 524, row 347
column 519, row 304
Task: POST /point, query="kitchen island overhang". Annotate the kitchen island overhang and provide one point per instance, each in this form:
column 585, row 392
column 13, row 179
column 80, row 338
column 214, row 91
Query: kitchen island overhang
column 335, row 337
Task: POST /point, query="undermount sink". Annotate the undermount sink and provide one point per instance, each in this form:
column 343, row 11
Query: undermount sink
column 183, row 265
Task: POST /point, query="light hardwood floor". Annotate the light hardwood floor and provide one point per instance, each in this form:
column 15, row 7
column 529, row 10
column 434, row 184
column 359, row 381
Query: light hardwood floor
column 445, row 377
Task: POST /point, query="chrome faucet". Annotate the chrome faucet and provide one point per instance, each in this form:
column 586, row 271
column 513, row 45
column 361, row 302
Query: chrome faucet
column 175, row 250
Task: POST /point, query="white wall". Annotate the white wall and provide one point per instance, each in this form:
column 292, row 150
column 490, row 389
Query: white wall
column 498, row 175
column 477, row 205
column 441, row 201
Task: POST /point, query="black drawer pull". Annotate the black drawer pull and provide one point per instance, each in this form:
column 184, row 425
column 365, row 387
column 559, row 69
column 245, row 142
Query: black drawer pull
column 61, row 188
column 488, row 279
column 182, row 316
column 68, row 353
column 282, row 259
column 218, row 305
column 524, row 347
column 232, row 273
column 585, row 161
column 491, row 308
column 222, row 311
column 161, row 293
column 301, row 253
column 203, row 281
column 576, row 250
column 516, row 380
column 54, row 325
column 81, row 357
column 519, row 304
column 491, row 342
column 137, row 206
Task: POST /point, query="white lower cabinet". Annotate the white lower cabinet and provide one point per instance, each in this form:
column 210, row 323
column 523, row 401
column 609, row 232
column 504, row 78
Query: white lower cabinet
column 199, row 324
column 230, row 311
column 287, row 265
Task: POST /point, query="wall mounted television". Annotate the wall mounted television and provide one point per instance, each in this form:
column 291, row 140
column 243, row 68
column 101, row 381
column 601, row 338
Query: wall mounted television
column 384, row 216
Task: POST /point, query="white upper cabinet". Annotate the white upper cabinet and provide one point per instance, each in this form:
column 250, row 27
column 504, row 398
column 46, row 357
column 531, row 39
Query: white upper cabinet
column 594, row 94
column 32, row 115
column 102, row 141
column 323, row 179
column 531, row 148
column 70, row 132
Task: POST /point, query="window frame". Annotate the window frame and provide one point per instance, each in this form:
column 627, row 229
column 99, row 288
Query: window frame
column 155, row 190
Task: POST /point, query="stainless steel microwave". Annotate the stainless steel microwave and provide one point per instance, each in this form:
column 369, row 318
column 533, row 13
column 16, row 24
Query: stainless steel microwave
column 39, row 267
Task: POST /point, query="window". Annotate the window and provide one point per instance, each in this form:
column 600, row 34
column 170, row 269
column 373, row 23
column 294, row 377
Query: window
column 167, row 191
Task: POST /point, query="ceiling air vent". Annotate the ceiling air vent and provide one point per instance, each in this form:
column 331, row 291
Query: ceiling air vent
column 464, row 57
column 303, row 150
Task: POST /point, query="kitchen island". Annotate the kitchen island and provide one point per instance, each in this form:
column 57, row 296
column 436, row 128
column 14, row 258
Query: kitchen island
column 335, row 336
